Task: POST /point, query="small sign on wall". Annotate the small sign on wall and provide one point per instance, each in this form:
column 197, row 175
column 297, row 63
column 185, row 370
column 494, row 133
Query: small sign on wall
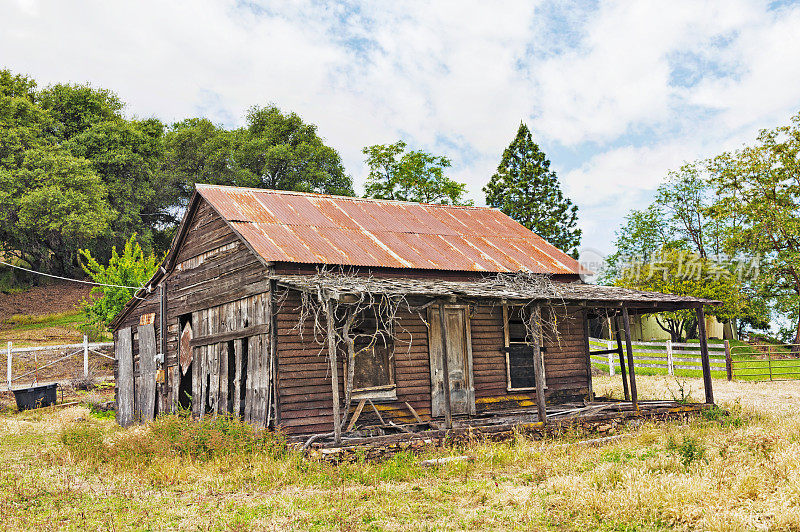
column 148, row 319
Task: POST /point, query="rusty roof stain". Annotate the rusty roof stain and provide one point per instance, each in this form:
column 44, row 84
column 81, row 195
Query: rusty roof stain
column 287, row 226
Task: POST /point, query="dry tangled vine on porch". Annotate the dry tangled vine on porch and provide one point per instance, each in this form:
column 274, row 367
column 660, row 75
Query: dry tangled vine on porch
column 540, row 287
column 348, row 314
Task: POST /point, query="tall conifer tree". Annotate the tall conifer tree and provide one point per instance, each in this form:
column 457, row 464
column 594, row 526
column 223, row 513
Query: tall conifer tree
column 527, row 190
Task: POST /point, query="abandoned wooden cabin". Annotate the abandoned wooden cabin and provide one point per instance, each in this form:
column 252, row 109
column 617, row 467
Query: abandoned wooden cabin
column 322, row 314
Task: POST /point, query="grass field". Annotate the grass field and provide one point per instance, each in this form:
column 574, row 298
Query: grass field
column 74, row 470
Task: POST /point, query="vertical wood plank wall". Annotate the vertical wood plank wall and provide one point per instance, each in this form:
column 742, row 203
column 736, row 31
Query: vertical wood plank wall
column 214, row 268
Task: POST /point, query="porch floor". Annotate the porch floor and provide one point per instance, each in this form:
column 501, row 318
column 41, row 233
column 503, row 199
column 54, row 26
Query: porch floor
column 504, row 423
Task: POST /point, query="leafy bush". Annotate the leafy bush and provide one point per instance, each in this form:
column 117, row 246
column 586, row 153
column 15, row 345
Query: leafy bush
column 690, row 450
column 131, row 268
column 175, row 434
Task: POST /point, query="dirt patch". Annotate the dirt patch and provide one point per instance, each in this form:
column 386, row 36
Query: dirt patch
column 45, row 299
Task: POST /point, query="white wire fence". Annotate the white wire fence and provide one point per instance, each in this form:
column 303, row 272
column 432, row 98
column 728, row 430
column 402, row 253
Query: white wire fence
column 57, row 362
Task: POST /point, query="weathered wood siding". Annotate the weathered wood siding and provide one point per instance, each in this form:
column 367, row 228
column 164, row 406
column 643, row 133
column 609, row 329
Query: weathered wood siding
column 305, row 386
column 213, row 269
column 224, row 287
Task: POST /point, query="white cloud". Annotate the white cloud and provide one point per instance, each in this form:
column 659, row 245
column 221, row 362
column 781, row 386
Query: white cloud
column 598, row 83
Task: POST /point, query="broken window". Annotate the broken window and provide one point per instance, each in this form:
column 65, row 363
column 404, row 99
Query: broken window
column 519, row 349
column 373, row 372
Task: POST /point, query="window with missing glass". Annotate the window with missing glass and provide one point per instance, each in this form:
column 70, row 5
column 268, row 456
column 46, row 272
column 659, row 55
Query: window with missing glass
column 519, row 350
column 373, row 371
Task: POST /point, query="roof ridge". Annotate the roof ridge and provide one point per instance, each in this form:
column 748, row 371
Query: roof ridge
column 336, row 196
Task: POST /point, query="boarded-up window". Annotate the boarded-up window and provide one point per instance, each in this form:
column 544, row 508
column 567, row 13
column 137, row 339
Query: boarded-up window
column 373, row 374
column 519, row 349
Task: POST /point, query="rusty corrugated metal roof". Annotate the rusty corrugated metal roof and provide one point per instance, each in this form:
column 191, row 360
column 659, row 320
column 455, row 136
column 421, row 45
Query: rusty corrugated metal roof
column 284, row 226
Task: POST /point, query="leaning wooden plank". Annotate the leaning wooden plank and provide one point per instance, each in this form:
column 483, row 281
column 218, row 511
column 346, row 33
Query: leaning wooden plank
column 413, row 412
column 377, row 413
column 147, row 370
column 357, row 413
column 124, row 355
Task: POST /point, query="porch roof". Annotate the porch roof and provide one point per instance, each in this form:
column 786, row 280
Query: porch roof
column 503, row 288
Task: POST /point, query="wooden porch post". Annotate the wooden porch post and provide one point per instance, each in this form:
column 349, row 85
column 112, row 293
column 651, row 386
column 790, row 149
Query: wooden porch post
column 448, row 408
column 626, row 321
column 622, row 360
column 337, row 420
column 538, row 370
column 701, row 332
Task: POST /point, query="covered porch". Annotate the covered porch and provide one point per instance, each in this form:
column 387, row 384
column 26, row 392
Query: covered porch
column 537, row 295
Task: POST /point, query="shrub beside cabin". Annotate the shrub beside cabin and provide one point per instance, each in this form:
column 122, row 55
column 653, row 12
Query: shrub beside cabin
column 436, row 315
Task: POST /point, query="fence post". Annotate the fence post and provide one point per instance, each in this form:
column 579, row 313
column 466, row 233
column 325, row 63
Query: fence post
column 8, row 367
column 610, row 358
column 85, row 356
column 769, row 360
column 728, row 360
column 670, row 361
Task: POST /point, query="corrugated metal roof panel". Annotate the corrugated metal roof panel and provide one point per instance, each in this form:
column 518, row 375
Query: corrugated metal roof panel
column 316, row 229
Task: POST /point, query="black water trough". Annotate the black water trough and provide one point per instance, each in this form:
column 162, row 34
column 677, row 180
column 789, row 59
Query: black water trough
column 35, row 396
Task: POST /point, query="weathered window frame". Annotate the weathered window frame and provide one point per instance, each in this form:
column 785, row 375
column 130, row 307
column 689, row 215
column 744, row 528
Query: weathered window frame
column 507, row 343
column 385, row 392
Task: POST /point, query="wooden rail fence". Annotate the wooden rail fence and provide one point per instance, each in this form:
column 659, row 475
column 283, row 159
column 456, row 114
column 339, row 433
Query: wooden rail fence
column 667, row 356
column 70, row 351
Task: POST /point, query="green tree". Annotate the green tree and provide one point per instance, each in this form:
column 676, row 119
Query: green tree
column 132, row 268
column 197, row 151
column 51, row 205
column 415, row 175
column 127, row 156
column 644, row 233
column 759, row 186
column 104, row 172
column 688, row 199
column 23, row 123
column 75, row 108
column 679, row 272
column 51, row 202
column 283, row 152
column 275, row 150
column 526, row 189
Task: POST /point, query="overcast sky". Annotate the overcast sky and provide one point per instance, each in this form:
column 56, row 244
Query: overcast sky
column 616, row 93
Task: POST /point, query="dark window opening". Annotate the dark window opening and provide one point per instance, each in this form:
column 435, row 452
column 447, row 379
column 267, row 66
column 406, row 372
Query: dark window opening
column 373, row 373
column 185, row 361
column 207, row 399
column 185, row 389
column 519, row 350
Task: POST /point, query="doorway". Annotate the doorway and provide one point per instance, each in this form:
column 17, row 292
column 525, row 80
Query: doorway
column 459, row 360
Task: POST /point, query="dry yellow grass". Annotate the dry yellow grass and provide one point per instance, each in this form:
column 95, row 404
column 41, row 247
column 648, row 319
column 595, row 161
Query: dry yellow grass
column 726, row 472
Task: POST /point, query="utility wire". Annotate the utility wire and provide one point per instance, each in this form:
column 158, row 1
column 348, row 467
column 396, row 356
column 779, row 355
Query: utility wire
column 69, row 279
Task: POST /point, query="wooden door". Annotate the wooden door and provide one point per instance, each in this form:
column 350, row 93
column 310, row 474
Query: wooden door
column 459, row 361
column 123, row 349
column 147, row 372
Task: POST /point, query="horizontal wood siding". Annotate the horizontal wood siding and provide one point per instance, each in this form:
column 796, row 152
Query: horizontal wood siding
column 304, row 384
column 206, row 231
